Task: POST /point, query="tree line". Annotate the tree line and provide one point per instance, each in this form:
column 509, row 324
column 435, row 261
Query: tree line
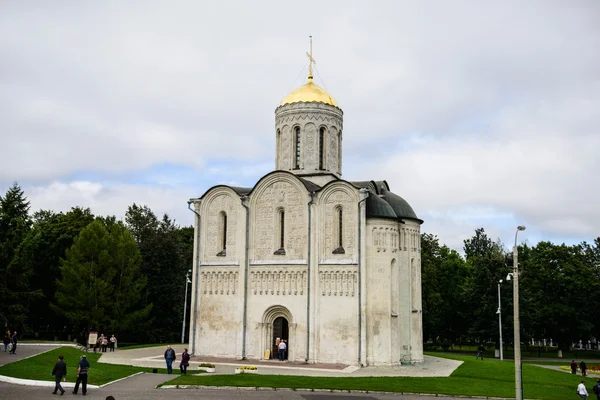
column 62, row 274
column 559, row 288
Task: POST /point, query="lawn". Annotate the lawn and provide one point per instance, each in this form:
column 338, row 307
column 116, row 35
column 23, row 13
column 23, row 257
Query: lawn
column 490, row 377
column 40, row 367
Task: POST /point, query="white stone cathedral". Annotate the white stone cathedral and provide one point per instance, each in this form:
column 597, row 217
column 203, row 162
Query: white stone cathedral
column 331, row 266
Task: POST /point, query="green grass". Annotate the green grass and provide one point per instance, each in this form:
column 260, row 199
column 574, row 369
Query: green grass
column 40, row 367
column 475, row 378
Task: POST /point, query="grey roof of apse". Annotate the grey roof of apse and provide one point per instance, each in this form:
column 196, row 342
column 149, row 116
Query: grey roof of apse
column 379, row 208
column 400, row 206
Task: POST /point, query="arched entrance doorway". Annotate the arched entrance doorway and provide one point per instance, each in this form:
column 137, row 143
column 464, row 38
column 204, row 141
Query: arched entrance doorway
column 280, row 332
column 278, row 322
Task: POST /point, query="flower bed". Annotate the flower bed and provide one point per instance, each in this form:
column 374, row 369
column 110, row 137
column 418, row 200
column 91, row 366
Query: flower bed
column 207, row 367
column 246, row 369
column 592, row 369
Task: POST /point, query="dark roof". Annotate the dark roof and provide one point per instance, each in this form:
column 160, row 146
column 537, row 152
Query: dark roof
column 400, row 206
column 375, row 186
column 310, row 186
column 241, row 191
column 379, row 208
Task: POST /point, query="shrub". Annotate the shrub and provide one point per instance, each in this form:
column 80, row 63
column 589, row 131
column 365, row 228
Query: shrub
column 207, row 365
column 247, row 367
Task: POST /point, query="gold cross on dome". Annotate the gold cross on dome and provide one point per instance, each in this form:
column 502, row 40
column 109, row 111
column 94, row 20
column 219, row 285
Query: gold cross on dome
column 311, row 60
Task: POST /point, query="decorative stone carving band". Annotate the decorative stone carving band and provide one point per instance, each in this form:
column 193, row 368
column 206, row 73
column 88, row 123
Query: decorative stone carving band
column 288, row 282
column 338, row 281
column 219, row 283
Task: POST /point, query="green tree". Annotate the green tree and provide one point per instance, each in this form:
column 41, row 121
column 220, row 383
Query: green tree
column 166, row 257
column 42, row 249
column 444, row 278
column 486, row 265
column 557, row 286
column 15, row 291
column 101, row 286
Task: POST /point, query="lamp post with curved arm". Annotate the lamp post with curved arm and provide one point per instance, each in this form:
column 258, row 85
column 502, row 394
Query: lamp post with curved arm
column 517, row 333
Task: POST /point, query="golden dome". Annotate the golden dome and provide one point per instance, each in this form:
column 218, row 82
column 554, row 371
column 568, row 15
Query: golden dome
column 309, row 92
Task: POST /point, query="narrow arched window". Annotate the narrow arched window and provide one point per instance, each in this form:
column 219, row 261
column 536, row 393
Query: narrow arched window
column 222, row 234
column 281, row 232
column 278, row 149
column 297, row 147
column 339, row 152
column 322, row 148
column 339, row 226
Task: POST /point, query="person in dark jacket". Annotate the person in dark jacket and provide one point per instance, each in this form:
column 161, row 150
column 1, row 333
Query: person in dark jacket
column 185, row 361
column 169, row 358
column 6, row 340
column 583, row 367
column 82, row 375
column 59, row 371
column 573, row 367
column 14, row 340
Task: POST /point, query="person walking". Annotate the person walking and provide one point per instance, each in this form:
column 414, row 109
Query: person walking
column 596, row 390
column 169, row 358
column 185, row 361
column 104, row 343
column 59, row 371
column 480, row 352
column 583, row 367
column 82, row 375
column 6, row 340
column 282, row 348
column 573, row 367
column 14, row 339
column 582, row 391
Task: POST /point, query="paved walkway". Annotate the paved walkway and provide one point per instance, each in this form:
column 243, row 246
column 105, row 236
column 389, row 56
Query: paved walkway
column 153, row 357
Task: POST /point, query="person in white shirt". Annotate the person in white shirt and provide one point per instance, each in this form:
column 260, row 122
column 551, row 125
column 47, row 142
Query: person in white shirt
column 282, row 348
column 582, row 391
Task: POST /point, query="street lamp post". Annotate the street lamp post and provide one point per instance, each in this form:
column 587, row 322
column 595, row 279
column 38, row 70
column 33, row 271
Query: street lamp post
column 517, row 334
column 499, row 312
column 187, row 280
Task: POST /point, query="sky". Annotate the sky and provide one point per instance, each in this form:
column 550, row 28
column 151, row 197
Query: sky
column 478, row 113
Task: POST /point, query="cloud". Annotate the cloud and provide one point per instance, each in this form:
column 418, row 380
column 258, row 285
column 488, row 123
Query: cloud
column 475, row 112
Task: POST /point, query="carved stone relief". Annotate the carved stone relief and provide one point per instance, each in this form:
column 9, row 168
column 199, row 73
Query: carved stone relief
column 335, row 201
column 385, row 239
column 337, row 281
column 310, row 147
column 221, row 203
column 278, row 281
column 284, row 155
column 280, row 195
column 332, row 149
column 219, row 282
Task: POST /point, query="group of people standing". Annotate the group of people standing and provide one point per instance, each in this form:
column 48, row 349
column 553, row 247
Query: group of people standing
column 10, row 341
column 170, row 357
column 60, row 373
column 102, row 343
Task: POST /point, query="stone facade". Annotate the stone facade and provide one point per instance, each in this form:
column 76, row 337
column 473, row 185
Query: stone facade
column 331, row 266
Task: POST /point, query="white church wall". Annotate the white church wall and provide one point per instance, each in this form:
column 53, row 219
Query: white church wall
column 381, row 235
column 336, row 323
column 416, row 291
column 218, row 323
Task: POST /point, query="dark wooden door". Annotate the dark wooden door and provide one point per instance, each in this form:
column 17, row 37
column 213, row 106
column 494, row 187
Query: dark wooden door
column 281, row 331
